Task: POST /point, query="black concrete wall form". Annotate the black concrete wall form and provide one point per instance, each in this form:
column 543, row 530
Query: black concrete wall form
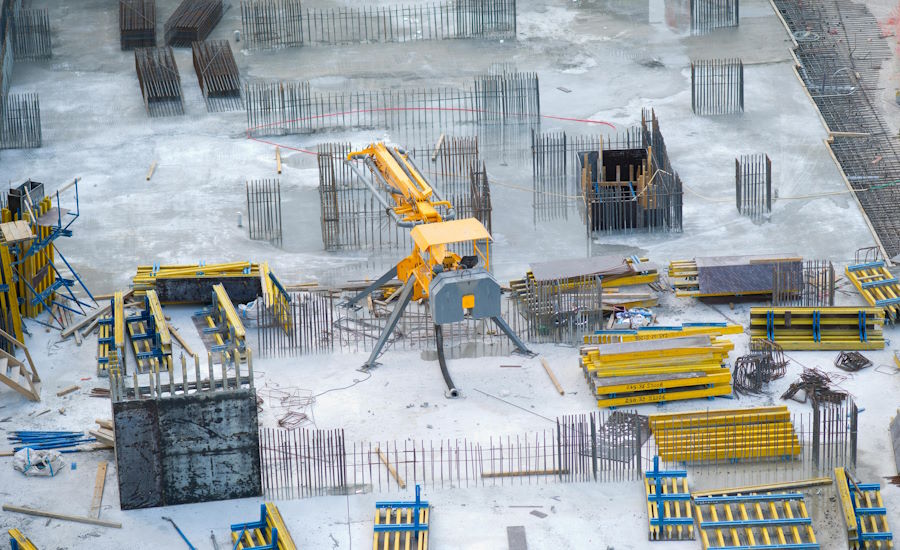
column 183, row 449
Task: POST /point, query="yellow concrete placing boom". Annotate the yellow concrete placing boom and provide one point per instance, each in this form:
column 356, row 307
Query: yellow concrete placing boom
column 453, row 285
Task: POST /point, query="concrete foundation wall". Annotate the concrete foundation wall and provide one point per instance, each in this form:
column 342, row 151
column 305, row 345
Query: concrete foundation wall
column 184, row 449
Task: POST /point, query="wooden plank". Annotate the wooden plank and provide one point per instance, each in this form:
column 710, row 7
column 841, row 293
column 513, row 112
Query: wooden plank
column 391, row 469
column 67, row 391
column 180, row 340
column 813, row 482
column 99, row 484
column 65, row 517
column 150, row 172
column 552, row 376
column 90, row 318
column 278, row 158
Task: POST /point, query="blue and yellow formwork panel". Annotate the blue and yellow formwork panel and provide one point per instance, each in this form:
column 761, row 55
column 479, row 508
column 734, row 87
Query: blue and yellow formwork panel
column 18, row 541
column 150, row 336
column 819, row 328
column 878, row 287
column 864, row 513
column 746, row 521
column 729, row 435
column 656, row 370
column 401, row 524
column 668, row 504
column 269, row 533
column 111, row 338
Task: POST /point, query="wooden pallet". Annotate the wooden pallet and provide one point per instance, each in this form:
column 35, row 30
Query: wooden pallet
column 864, row 513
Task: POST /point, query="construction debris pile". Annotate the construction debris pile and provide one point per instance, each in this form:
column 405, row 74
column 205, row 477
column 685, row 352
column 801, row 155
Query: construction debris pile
column 814, row 386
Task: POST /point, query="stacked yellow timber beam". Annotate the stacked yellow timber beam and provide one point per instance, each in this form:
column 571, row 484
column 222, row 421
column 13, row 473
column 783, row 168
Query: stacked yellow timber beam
column 683, row 275
column 653, row 371
column 878, row 287
column 819, row 328
column 146, row 276
column 275, row 297
column 750, row 434
column 713, row 330
column 864, row 513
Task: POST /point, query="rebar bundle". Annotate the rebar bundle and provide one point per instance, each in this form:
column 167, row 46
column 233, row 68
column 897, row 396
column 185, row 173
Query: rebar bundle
column 762, row 365
column 841, row 47
column 218, row 75
column 264, row 210
column 707, row 15
column 816, row 387
column 31, row 35
column 753, row 185
column 807, row 284
column 21, row 124
column 193, row 21
column 159, row 81
column 717, row 86
column 284, row 23
column 305, row 327
column 851, row 361
column 137, row 24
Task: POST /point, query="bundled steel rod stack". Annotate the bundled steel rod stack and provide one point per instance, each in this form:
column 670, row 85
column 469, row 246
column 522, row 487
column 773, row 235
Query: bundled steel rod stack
column 192, row 21
column 753, row 185
column 218, row 75
column 707, row 15
column 159, row 80
column 264, row 210
column 137, row 24
column 283, row 23
column 31, row 35
column 48, row 440
column 21, row 124
column 717, row 86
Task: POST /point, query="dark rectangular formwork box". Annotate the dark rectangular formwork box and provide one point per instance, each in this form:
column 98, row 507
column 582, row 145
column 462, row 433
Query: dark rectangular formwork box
column 741, row 275
column 187, row 448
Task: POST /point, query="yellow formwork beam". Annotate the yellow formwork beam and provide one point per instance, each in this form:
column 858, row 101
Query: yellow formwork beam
column 226, row 309
column 655, row 334
column 730, row 415
column 710, row 368
column 159, row 320
column 723, row 378
column 119, row 320
column 873, row 294
column 668, row 396
column 254, row 538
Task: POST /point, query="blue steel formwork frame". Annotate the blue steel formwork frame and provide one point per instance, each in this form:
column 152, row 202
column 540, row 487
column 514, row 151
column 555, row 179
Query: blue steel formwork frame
column 660, row 498
column 38, row 245
column 416, row 526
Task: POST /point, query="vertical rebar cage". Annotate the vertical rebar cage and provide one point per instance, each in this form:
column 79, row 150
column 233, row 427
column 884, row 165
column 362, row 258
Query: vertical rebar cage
column 264, row 210
column 753, row 185
column 807, row 284
column 707, row 15
column 717, row 86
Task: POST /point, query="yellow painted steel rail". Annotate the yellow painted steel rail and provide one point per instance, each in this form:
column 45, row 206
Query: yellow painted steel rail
column 819, row 328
